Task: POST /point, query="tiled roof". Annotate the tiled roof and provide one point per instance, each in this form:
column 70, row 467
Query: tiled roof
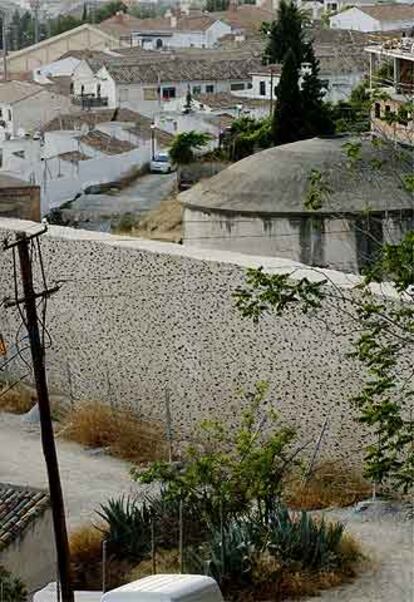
column 106, row 144
column 246, row 17
column 15, row 91
column 178, row 69
column 389, row 12
column 75, row 121
column 226, row 100
column 125, row 25
column 120, row 24
column 19, row 506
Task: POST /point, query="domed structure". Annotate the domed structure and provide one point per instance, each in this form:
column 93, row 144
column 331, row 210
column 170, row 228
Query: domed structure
column 326, row 202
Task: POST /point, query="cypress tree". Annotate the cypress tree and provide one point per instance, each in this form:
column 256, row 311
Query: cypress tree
column 288, row 125
column 316, row 115
column 286, row 33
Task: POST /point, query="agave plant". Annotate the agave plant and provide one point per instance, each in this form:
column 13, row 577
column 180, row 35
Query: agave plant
column 300, row 538
column 127, row 527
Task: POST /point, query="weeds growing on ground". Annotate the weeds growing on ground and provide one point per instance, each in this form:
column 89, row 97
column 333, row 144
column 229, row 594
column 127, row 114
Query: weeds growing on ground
column 15, row 399
column 126, row 436
column 326, row 487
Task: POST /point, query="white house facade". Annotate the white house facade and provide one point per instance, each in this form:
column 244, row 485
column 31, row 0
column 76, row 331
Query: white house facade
column 176, row 38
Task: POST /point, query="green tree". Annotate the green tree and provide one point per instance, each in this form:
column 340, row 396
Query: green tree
column 85, row 12
column 286, row 33
column 288, row 119
column 184, row 145
column 317, row 115
column 109, row 9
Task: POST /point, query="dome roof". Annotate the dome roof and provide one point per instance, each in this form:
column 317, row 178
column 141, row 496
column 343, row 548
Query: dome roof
column 278, row 180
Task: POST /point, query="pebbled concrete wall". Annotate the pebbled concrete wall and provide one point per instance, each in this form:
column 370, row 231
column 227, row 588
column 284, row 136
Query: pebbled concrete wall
column 134, row 319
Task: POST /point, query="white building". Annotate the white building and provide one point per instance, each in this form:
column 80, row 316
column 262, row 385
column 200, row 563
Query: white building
column 26, row 107
column 380, row 17
column 149, row 86
column 197, row 30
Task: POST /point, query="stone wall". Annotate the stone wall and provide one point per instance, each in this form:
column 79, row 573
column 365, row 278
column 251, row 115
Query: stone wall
column 135, row 320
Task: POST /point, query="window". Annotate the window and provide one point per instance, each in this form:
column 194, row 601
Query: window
column 262, row 88
column 82, row 90
column 98, row 90
column 168, row 93
column 196, row 89
column 71, row 88
column 377, row 110
column 237, row 86
column 159, row 43
column 249, row 86
column 209, row 89
column 387, row 110
column 1, row 113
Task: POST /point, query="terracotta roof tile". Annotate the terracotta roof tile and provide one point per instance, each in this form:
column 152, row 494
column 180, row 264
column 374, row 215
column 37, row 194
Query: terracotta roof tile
column 389, row 12
column 19, row 506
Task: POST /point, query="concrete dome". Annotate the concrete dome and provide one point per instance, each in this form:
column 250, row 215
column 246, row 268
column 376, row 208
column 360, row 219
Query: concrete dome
column 276, row 181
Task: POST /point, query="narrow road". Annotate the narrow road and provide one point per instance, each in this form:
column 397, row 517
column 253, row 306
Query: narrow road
column 88, row 479
column 100, row 211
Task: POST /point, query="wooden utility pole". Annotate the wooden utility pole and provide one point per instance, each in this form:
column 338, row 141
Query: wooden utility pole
column 48, row 442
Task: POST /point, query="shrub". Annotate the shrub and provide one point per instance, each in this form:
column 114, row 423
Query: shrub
column 94, row 424
column 85, row 546
column 86, row 561
column 12, row 588
column 230, row 471
column 17, row 399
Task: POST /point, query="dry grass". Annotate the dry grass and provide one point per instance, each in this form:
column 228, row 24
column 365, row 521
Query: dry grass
column 163, row 222
column 94, row 424
column 167, row 561
column 275, row 581
column 17, row 400
column 328, row 486
column 85, row 546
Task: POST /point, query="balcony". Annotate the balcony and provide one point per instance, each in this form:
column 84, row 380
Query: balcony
column 90, row 101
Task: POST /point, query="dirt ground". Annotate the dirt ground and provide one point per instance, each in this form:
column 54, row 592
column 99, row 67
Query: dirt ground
column 88, row 478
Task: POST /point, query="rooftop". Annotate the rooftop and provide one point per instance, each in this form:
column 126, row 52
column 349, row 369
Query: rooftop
column 15, row 91
column 246, row 17
column 74, row 121
column 389, row 12
column 180, row 69
column 276, row 181
column 19, row 506
column 226, row 100
column 124, row 24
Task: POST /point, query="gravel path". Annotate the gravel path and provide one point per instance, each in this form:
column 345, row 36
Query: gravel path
column 386, row 534
column 87, row 478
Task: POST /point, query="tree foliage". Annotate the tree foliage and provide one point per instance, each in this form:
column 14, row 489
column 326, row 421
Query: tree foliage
column 286, row 33
column 232, row 470
column 184, row 146
column 300, row 109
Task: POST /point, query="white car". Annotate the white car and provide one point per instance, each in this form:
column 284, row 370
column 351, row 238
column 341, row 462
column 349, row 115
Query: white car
column 161, row 163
